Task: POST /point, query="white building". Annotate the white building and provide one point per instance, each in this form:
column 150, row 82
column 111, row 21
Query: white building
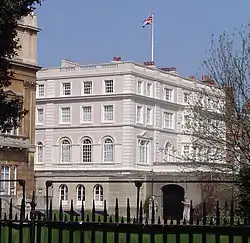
column 119, row 120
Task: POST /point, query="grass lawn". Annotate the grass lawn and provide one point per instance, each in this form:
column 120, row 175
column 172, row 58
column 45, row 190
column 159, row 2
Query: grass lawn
column 99, row 236
column 110, row 238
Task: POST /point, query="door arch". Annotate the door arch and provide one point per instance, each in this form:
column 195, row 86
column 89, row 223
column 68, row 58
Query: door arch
column 173, row 195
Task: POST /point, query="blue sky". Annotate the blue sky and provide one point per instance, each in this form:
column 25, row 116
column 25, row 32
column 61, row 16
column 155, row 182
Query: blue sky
column 93, row 31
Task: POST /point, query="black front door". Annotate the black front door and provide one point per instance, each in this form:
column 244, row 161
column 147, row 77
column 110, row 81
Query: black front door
column 173, row 195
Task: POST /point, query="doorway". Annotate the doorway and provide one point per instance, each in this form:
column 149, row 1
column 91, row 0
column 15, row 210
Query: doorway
column 172, row 206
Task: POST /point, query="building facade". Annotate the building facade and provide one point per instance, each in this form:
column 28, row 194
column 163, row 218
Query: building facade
column 113, row 121
column 17, row 147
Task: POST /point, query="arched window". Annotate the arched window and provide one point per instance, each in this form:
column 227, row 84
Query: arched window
column 98, row 193
column 108, row 150
column 63, row 193
column 86, row 150
column 39, row 152
column 65, row 150
column 80, row 190
column 143, row 146
column 168, row 152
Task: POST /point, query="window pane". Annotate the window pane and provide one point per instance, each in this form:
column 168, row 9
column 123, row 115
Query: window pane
column 66, row 151
column 40, row 115
column 109, row 86
column 108, row 112
column 108, row 150
column 87, row 87
column 66, row 88
column 41, row 90
column 86, row 113
column 87, row 151
column 65, row 114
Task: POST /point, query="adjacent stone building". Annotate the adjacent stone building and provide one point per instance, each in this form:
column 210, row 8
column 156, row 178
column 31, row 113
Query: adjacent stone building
column 17, row 147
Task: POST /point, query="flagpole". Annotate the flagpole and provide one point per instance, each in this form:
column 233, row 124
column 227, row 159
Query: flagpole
column 152, row 37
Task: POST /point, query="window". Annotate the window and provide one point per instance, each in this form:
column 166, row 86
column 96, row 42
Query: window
column 143, row 151
column 186, row 97
column 87, row 87
column 139, row 87
column 168, row 94
column 139, row 116
column 40, row 116
column 63, row 193
column 66, row 88
column 65, row 150
column 186, row 122
column 108, row 113
column 86, row 114
column 167, row 152
column 39, row 152
column 5, row 185
column 109, row 86
column 168, row 120
column 186, row 151
column 86, row 150
column 149, row 89
column 108, row 150
column 149, row 115
column 65, row 115
column 98, row 193
column 41, row 90
column 80, row 190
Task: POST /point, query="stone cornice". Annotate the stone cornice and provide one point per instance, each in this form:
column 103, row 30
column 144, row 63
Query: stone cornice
column 20, row 63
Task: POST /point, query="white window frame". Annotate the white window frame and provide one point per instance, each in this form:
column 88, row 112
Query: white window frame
column 188, row 96
column 171, row 94
column 150, row 122
column 111, row 147
column 80, row 188
column 82, row 114
column 61, row 150
column 151, row 93
column 87, row 150
column 65, row 197
column 139, row 121
column 61, row 109
column 164, row 120
column 40, row 152
column 91, row 89
column 143, row 156
column 140, row 92
column 63, row 90
column 103, row 114
column 185, row 152
column 104, row 86
column 98, row 192
column 186, row 124
column 37, row 116
column 38, row 90
column 5, row 175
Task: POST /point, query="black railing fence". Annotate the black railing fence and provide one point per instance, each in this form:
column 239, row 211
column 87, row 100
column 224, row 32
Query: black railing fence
column 92, row 226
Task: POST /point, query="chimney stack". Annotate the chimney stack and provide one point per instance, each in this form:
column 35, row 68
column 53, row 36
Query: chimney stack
column 117, row 59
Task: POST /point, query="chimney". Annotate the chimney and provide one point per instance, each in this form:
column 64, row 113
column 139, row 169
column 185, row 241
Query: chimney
column 149, row 64
column 192, row 77
column 207, row 79
column 117, row 59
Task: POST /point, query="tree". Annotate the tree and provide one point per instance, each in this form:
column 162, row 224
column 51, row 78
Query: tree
column 219, row 110
column 11, row 11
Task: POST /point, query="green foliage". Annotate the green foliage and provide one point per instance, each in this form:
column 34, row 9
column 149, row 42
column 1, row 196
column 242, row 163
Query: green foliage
column 11, row 11
column 243, row 183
